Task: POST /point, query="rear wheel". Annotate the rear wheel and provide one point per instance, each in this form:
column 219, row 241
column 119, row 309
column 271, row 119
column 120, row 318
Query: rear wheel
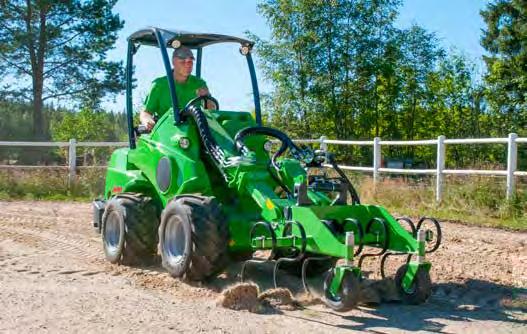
column 128, row 229
column 421, row 287
column 193, row 237
column 348, row 295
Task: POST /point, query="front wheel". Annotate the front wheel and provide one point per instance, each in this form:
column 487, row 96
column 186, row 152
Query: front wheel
column 348, row 295
column 193, row 237
column 421, row 287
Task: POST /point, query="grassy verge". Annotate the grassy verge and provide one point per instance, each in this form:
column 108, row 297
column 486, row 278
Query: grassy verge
column 47, row 184
column 472, row 200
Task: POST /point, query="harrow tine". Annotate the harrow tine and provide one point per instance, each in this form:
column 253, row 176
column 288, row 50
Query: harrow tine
column 410, row 223
column 271, row 231
column 385, row 257
column 385, row 243
column 277, row 265
column 439, row 233
column 255, row 261
column 304, row 270
column 288, row 228
column 271, row 256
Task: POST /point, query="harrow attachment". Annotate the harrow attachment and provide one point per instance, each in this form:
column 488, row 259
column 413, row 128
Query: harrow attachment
column 342, row 281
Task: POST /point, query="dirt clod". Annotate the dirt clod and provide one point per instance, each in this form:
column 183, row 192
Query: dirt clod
column 279, row 298
column 243, row 296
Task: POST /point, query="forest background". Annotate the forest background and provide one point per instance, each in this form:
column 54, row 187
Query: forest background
column 339, row 68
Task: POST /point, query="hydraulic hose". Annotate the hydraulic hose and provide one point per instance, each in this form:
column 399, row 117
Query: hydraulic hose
column 214, row 150
column 354, row 195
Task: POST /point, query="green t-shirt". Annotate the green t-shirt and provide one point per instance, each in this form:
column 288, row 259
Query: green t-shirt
column 159, row 100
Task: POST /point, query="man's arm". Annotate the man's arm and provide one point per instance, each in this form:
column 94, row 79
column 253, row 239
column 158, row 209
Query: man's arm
column 151, row 107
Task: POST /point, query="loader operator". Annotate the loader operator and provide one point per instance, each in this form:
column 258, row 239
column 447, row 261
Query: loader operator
column 188, row 87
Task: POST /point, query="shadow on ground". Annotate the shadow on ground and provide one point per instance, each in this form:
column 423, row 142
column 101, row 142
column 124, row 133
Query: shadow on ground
column 472, row 300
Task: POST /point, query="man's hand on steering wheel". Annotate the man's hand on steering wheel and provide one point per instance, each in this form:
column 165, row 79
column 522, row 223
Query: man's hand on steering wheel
column 209, row 103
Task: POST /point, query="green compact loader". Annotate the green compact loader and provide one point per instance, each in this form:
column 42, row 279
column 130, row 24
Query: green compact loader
column 205, row 187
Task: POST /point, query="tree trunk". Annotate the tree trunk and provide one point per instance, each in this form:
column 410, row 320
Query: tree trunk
column 38, row 119
column 37, row 52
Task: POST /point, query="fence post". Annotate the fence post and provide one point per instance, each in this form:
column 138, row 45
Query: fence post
column 512, row 164
column 441, row 151
column 323, row 144
column 376, row 159
column 72, row 161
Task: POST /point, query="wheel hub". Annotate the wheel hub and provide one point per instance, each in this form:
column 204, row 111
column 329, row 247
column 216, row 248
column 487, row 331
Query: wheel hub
column 174, row 240
column 112, row 231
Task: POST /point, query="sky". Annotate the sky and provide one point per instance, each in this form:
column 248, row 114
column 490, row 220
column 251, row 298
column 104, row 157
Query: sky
column 457, row 24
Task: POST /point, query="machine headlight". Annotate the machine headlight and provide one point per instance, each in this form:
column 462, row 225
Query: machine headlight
column 184, row 143
column 244, row 50
column 268, row 146
column 176, row 44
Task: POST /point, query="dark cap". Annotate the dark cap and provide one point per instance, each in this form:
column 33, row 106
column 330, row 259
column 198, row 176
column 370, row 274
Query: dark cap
column 183, row 53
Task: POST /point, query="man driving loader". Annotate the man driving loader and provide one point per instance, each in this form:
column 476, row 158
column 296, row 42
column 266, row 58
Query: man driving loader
column 188, row 87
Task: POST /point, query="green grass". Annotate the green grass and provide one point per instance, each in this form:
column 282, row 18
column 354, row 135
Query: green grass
column 472, row 200
column 51, row 185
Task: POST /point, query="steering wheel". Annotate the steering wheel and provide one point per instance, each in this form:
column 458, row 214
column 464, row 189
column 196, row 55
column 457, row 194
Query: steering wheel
column 202, row 98
column 304, row 155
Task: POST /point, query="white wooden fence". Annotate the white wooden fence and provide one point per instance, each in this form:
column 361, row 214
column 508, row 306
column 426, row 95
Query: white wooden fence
column 512, row 158
column 511, row 172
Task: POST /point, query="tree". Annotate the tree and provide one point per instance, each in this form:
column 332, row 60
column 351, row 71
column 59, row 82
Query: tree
column 324, row 58
column 505, row 38
column 89, row 125
column 52, row 50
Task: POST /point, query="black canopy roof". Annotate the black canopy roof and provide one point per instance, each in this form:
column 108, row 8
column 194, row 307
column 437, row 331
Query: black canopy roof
column 192, row 40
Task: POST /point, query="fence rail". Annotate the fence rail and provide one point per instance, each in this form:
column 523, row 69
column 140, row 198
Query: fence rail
column 440, row 171
column 511, row 172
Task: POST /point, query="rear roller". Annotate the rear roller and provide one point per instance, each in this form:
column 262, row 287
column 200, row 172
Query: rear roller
column 347, row 295
column 419, row 290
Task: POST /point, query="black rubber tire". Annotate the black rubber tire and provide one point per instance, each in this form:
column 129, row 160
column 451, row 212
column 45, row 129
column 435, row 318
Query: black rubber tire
column 348, row 296
column 199, row 224
column 136, row 219
column 421, row 288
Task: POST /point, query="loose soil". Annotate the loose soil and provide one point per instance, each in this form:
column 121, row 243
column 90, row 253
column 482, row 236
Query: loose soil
column 54, row 278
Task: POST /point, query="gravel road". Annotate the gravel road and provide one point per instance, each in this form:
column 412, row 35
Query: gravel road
column 53, row 278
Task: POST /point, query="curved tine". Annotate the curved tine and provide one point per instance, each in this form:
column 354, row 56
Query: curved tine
column 275, row 269
column 386, row 234
column 410, row 223
column 242, row 272
column 245, row 263
column 385, row 243
column 304, row 270
column 302, row 235
column 273, row 236
column 439, row 235
column 385, row 257
column 361, row 259
column 304, row 282
column 383, row 263
column 361, row 234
